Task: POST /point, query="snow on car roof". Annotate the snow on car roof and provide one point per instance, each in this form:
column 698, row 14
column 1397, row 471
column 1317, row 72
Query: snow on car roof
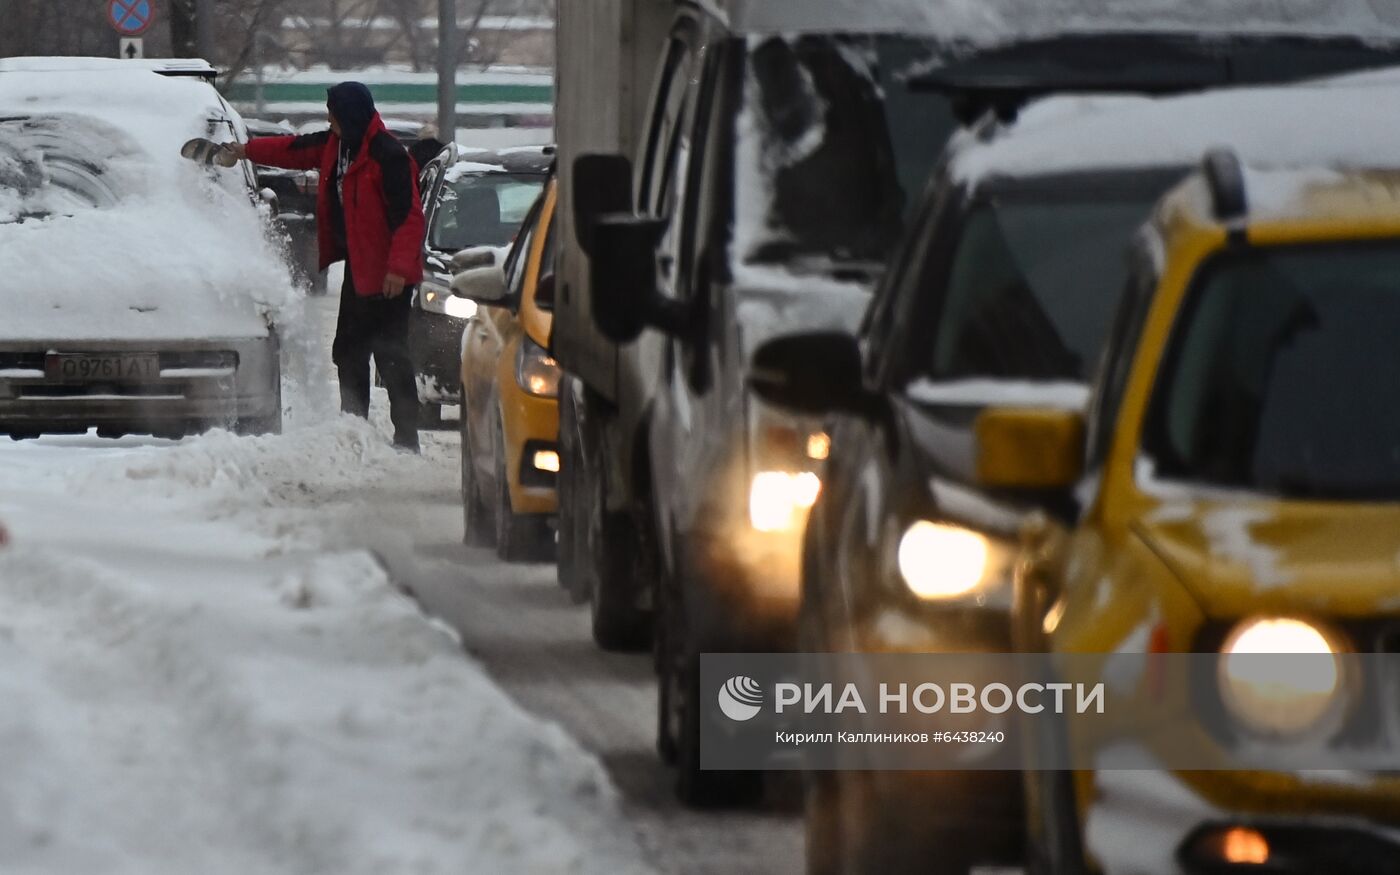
column 168, row 66
column 999, row 20
column 1339, row 124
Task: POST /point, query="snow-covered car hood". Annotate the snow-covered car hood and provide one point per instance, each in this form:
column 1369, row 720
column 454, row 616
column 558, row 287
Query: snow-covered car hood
column 773, row 302
column 142, row 271
column 1242, row 553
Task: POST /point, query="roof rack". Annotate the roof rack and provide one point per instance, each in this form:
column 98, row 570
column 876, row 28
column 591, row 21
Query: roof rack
column 1005, row 79
column 1224, row 175
column 176, row 67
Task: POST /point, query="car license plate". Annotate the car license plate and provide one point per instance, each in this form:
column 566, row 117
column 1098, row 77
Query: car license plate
column 88, row 368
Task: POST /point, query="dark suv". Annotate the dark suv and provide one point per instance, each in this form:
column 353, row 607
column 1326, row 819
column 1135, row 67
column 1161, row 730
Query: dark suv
column 472, row 198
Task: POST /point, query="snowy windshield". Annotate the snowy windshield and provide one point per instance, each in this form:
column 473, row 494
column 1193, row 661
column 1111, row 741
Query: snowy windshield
column 483, row 209
column 1283, row 376
column 101, row 192
column 56, row 165
column 834, row 147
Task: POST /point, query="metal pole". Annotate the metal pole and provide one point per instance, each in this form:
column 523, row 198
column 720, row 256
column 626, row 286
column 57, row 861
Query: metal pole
column 258, row 76
column 204, row 29
column 447, row 70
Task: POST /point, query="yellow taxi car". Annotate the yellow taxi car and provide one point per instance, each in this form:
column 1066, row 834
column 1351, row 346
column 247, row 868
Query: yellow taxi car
column 510, row 392
column 1238, row 483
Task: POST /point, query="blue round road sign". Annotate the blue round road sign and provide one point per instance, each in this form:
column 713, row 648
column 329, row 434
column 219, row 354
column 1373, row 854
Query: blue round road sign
column 131, row 17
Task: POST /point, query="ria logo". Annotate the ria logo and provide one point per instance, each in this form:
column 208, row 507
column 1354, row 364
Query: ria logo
column 741, row 698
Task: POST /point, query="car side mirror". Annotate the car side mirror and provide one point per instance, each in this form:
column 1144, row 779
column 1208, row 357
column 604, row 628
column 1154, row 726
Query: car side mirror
column 473, row 257
column 623, row 275
column 1029, row 448
column 484, row 285
column 544, row 293
column 812, row 373
column 602, row 186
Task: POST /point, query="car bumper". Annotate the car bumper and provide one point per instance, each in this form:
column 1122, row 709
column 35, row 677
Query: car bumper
column 201, row 385
column 746, row 589
column 900, row 821
column 531, row 426
column 435, row 346
column 1161, row 822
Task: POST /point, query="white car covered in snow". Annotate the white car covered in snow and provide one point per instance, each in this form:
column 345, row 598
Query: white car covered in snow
column 137, row 289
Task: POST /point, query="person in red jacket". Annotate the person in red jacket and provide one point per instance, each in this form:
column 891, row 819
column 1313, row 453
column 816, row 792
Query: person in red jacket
column 369, row 213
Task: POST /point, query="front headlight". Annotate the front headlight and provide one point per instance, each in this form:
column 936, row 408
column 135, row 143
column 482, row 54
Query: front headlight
column 535, row 371
column 779, row 501
column 1282, row 698
column 448, row 304
column 942, row 561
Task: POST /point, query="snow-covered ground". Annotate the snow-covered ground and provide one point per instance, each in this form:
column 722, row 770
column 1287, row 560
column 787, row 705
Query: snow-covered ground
column 204, row 669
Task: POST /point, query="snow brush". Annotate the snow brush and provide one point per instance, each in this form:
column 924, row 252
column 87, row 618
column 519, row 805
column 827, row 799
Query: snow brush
column 208, row 152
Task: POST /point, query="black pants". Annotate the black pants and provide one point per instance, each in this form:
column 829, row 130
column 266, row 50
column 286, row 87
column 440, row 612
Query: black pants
column 378, row 327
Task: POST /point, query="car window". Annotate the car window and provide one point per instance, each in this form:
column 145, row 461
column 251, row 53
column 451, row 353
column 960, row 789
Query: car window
column 835, row 146
column 1032, row 287
column 65, row 164
column 659, row 150
column 482, row 209
column 900, row 290
column 519, row 257
column 1282, row 375
column 551, row 250
column 426, row 180
column 700, row 171
column 1119, row 354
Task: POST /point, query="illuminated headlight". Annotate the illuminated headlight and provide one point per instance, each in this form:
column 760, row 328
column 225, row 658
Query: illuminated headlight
column 448, row 304
column 779, row 501
column 1282, row 698
column 942, row 562
column 535, row 371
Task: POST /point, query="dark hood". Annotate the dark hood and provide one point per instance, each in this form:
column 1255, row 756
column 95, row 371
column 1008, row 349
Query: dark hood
column 353, row 107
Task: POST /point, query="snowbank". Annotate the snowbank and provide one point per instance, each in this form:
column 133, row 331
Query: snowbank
column 192, row 684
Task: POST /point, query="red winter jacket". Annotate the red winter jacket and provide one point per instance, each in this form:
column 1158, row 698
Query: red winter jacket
column 384, row 224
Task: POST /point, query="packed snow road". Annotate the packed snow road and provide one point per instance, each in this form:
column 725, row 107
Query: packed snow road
column 205, row 666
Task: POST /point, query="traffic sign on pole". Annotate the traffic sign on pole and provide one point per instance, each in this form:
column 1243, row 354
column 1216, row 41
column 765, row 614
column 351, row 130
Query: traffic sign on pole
column 133, row 48
column 131, row 17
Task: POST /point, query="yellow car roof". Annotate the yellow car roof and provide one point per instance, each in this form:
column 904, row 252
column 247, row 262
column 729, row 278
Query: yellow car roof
column 1293, row 206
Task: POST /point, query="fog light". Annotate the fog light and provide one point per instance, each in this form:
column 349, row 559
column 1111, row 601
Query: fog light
column 819, row 446
column 1242, row 846
column 1215, row 847
column 778, row 499
column 547, row 460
